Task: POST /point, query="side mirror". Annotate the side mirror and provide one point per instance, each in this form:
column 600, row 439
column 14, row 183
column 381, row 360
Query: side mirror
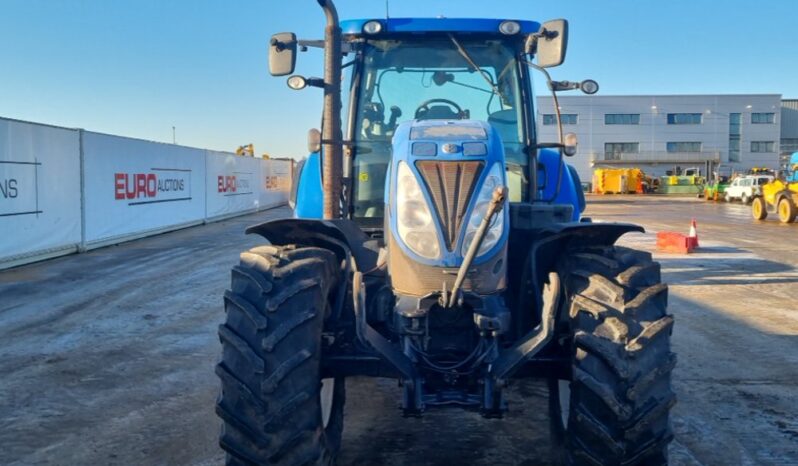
column 550, row 43
column 314, row 140
column 282, row 54
column 569, row 144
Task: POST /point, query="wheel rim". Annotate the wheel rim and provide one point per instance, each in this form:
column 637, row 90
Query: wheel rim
column 564, row 392
column 783, row 211
column 326, row 394
column 757, row 209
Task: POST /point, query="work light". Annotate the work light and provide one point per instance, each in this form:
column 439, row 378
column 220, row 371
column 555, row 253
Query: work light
column 372, row 27
column 509, row 27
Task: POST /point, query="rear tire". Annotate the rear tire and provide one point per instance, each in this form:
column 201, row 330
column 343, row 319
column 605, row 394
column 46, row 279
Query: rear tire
column 786, row 209
column 745, row 199
column 273, row 402
column 759, row 209
column 620, row 394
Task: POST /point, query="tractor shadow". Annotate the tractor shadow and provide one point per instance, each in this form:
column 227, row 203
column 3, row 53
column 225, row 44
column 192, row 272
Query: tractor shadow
column 376, row 433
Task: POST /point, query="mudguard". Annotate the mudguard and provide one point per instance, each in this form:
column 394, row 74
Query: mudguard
column 541, row 249
column 340, row 236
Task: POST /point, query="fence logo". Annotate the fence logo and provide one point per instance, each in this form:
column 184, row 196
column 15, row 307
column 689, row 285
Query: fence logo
column 237, row 184
column 19, row 188
column 157, row 185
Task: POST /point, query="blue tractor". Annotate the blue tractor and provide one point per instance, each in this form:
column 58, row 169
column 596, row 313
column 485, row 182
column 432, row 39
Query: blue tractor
column 439, row 243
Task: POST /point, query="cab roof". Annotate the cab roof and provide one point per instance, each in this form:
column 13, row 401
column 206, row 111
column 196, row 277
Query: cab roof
column 435, row 25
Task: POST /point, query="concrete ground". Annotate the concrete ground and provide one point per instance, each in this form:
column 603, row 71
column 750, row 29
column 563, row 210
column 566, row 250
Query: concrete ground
column 107, row 357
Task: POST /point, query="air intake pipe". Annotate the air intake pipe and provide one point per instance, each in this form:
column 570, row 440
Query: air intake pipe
column 332, row 147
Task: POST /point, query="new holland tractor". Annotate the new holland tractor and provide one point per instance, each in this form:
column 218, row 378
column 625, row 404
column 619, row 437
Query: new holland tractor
column 437, row 242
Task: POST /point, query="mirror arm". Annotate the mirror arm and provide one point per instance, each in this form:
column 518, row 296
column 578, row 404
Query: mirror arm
column 548, row 145
column 346, row 47
column 563, row 85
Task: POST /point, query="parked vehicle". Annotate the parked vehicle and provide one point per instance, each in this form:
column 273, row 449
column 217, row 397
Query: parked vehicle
column 746, row 188
column 715, row 188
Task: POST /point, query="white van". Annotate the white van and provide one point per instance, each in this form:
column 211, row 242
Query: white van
column 745, row 188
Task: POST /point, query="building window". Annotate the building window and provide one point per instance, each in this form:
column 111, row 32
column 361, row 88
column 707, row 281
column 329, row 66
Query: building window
column 734, row 148
column 763, row 118
column 566, row 118
column 762, row 146
column 683, row 147
column 684, row 118
column 622, row 119
column 789, row 145
column 613, row 150
column 734, row 137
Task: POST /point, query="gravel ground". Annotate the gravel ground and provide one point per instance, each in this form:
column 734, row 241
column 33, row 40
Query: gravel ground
column 106, row 357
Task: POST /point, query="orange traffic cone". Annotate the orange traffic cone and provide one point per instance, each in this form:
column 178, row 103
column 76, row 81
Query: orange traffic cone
column 693, row 236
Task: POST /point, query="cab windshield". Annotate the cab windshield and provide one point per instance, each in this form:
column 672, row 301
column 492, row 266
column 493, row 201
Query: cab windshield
column 409, row 79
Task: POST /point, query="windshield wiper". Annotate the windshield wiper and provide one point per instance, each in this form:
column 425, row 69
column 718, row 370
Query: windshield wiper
column 471, row 62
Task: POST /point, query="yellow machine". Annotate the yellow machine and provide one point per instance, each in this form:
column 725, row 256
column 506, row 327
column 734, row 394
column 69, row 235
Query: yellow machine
column 779, row 196
column 246, row 150
column 618, row 180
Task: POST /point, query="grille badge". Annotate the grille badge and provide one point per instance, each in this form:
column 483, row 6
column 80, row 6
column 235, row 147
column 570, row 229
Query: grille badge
column 450, row 148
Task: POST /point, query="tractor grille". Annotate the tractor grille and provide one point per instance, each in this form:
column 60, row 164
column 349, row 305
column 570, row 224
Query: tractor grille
column 451, row 185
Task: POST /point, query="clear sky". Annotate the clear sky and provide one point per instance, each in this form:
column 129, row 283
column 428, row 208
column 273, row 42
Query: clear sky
column 139, row 67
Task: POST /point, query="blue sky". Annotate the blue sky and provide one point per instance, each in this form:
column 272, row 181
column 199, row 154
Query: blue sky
column 138, row 67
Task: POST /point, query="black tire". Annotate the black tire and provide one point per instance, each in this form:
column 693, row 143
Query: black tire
column 270, row 401
column 620, row 394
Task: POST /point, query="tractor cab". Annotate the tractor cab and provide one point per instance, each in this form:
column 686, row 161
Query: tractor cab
column 424, row 73
column 425, row 69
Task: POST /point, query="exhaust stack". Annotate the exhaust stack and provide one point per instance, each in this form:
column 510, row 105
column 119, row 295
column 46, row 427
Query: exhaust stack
column 332, row 145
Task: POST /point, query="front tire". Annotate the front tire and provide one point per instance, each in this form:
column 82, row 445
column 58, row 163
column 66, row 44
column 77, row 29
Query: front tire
column 276, row 409
column 619, row 397
column 759, row 209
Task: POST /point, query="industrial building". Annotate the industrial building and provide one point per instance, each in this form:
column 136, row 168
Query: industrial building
column 661, row 133
column 789, row 128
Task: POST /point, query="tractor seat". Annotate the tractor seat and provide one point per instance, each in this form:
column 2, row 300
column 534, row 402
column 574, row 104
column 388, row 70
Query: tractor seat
column 438, row 112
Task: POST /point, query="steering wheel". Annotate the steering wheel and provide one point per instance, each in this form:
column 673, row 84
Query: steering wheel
column 424, row 108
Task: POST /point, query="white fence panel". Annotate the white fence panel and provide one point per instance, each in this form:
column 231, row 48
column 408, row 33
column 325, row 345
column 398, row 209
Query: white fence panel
column 39, row 191
column 275, row 181
column 231, row 185
column 134, row 187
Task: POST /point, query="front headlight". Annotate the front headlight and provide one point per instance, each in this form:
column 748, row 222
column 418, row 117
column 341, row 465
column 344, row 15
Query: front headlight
column 496, row 229
column 413, row 217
